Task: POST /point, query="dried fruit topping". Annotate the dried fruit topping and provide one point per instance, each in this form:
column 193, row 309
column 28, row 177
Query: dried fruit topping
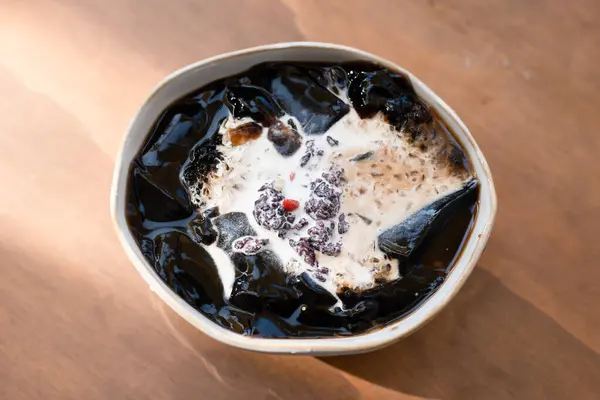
column 285, row 138
column 292, row 176
column 290, row 205
column 249, row 245
column 244, row 133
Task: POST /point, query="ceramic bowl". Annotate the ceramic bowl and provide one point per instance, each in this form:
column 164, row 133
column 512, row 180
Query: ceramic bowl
column 203, row 72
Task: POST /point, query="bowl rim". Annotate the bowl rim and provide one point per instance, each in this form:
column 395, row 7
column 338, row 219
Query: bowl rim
column 381, row 337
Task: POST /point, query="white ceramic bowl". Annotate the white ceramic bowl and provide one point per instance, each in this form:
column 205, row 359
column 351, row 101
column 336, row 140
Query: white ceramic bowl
column 201, row 73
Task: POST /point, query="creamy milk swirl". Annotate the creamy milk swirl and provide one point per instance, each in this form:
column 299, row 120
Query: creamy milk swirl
column 385, row 180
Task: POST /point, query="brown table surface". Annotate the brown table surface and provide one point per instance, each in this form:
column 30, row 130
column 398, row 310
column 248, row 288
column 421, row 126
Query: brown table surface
column 76, row 320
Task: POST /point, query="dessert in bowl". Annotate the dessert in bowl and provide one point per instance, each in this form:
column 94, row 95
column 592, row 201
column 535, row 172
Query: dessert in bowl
column 301, row 198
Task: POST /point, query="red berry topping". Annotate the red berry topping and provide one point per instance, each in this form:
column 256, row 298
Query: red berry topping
column 290, row 205
column 292, row 176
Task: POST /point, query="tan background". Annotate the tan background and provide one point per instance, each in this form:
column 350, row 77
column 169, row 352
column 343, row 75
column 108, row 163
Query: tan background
column 77, row 322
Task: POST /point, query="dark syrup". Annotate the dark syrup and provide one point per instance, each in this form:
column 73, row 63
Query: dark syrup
column 171, row 232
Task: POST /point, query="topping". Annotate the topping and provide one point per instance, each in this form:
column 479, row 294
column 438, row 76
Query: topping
column 249, row 245
column 322, row 208
column 269, row 211
column 366, row 220
column 303, row 248
column 332, row 249
column 244, row 133
column 324, row 201
column 331, row 141
column 290, row 205
column 323, row 205
column 343, row 225
column 320, row 234
column 286, row 139
column 311, row 151
column 361, row 157
column 334, row 176
column 301, row 224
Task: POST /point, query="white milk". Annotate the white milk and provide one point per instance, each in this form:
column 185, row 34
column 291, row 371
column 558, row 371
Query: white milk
column 398, row 181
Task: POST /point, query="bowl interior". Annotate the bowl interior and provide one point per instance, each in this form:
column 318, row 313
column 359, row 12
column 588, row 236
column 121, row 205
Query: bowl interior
column 197, row 75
